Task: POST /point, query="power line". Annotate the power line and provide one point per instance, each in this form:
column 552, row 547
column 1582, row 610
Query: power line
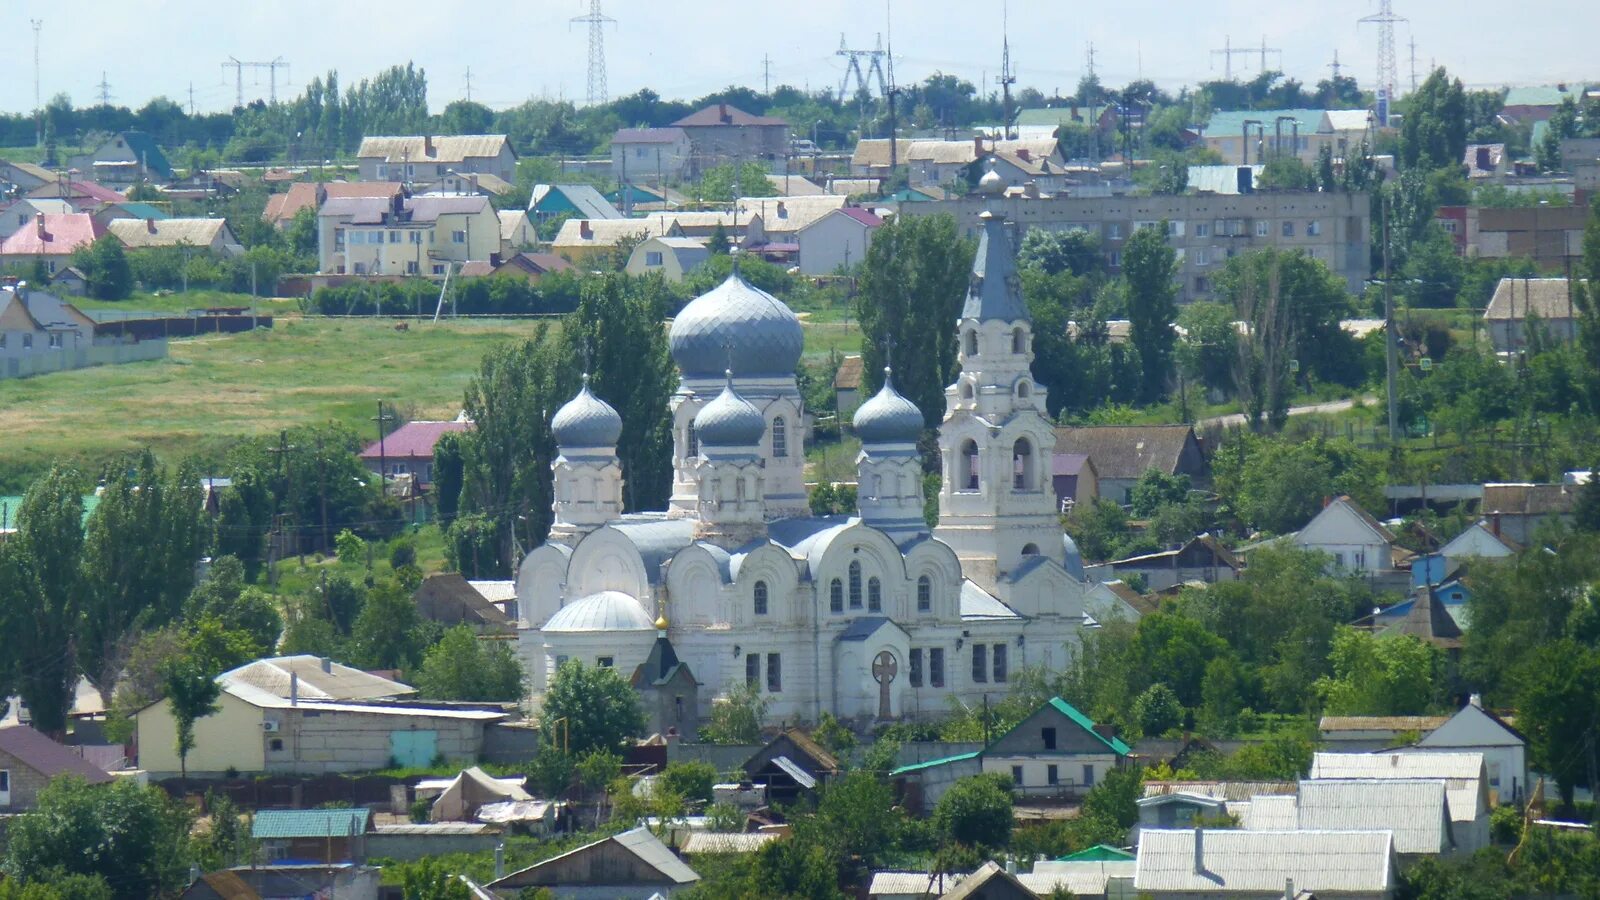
column 271, row 66
column 1413, row 64
column 1091, row 59
column 853, row 58
column 597, row 21
column 1335, row 65
column 1385, row 19
column 1229, row 51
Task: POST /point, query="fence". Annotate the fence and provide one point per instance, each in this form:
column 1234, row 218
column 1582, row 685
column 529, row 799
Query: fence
column 46, row 361
column 181, row 326
column 290, row 792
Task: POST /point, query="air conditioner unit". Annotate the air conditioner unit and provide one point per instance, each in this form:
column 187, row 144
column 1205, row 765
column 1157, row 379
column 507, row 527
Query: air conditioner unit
column 269, row 727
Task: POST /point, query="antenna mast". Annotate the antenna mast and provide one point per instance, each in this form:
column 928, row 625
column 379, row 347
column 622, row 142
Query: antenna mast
column 597, row 22
column 1385, row 19
column 38, row 104
column 1006, row 78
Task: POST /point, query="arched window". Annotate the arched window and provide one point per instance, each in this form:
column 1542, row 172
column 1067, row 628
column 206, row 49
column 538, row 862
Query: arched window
column 968, row 480
column 1019, row 340
column 691, row 443
column 836, row 596
column 972, row 342
column 1030, row 549
column 761, row 598
column 966, row 390
column 924, row 594
column 780, row 438
column 1022, row 465
column 1023, row 389
column 855, row 584
column 874, row 595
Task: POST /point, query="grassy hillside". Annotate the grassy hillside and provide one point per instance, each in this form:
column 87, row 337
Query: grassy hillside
column 212, row 389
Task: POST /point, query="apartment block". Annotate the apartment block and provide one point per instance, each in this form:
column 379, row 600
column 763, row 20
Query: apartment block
column 1206, row 230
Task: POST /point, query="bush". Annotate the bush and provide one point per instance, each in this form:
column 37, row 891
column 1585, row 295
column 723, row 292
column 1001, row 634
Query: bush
column 976, row 811
column 689, row 780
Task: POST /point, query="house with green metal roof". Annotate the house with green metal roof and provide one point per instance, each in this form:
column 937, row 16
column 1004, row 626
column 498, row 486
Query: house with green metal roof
column 1098, row 853
column 124, row 159
column 312, row 835
column 1056, row 752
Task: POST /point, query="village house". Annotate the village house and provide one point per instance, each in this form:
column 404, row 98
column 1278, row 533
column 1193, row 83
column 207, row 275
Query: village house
column 837, row 241
column 17, row 214
column 1464, row 776
column 1521, row 304
column 450, row 600
column 1356, row 542
column 21, row 177
column 1203, row 863
column 722, row 132
column 1121, row 454
column 408, row 450
column 670, row 257
column 652, row 155
column 517, row 231
column 1202, row 558
column 1251, row 136
column 531, row 266
column 1517, row 511
column 405, row 235
column 580, row 241
column 83, row 196
column 428, row 158
column 127, row 209
column 633, row 865
column 791, row 764
column 1100, row 872
column 28, row 760
column 347, row 881
column 1056, row 752
column 326, row 835
column 578, row 201
column 209, row 235
column 50, row 239
column 125, row 159
column 282, row 208
column 41, row 333
column 847, row 386
column 481, row 184
column 1474, row 729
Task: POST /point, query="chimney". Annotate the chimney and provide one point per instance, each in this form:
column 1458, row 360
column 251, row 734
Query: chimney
column 327, row 666
column 977, row 147
column 585, row 230
column 1494, row 523
column 427, row 145
column 1106, row 730
column 150, row 225
column 499, row 861
column 1327, row 501
column 38, row 225
column 1483, row 159
column 494, row 259
column 1022, row 153
column 1031, row 189
column 722, row 113
column 294, row 688
column 472, row 179
column 1011, row 867
column 1475, row 700
column 1246, row 179
column 1199, row 850
column 1288, row 889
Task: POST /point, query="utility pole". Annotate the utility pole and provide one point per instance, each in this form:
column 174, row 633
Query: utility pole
column 469, row 84
column 383, row 460
column 597, row 22
column 322, row 499
column 1390, row 362
column 1265, row 50
column 889, row 94
column 38, row 103
column 1229, row 51
column 1413, row 64
column 272, row 67
column 191, row 99
column 1090, row 64
column 766, row 73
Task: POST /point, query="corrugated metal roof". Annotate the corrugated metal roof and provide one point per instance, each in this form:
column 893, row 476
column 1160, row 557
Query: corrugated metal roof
column 648, row 136
column 1084, row 878
column 935, row 763
column 790, row 768
column 609, row 232
column 1221, row 790
column 446, row 148
column 309, row 823
column 915, row 884
column 1381, row 723
column 1460, row 766
column 1414, row 809
column 723, row 114
column 412, row 440
column 977, row 603
column 785, row 215
column 1269, row 812
column 1519, row 298
column 58, row 235
column 725, row 842
column 339, row 682
column 1263, row 861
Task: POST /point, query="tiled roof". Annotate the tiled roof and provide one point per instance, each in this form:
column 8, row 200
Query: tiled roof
column 308, row 823
column 78, row 189
column 446, row 148
column 848, row 378
column 1519, row 298
column 722, row 114
column 60, row 235
column 137, row 233
column 865, row 217
column 1126, row 451
column 45, row 756
column 413, row 440
column 1262, row 862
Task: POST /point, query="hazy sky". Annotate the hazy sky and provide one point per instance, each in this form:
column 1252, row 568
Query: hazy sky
column 685, row 48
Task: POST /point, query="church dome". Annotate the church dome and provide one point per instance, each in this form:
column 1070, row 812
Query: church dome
column 586, row 421
column 729, row 420
column 605, row 611
column 888, row 418
column 1072, row 560
column 737, row 326
column 991, row 183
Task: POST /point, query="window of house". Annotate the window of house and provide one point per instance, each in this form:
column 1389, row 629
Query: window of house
column 780, row 438
column 411, row 267
column 1114, row 231
column 1288, row 229
column 1202, row 257
column 1088, row 776
column 375, row 237
column 761, row 598
column 2, row 340
column 691, row 443
column 27, row 342
column 458, row 237
column 999, row 663
column 752, row 669
column 1261, row 228
column 874, row 595
column 1338, row 559
column 980, row 663
column 605, row 662
column 924, row 594
column 774, row 673
column 356, row 237
column 1358, row 559
column 438, row 269
column 394, row 237
column 1048, row 736
column 1016, row 775
column 1313, row 228
column 52, row 267
column 1202, row 229
column 1202, row 284
column 916, row 667
column 652, row 258
column 836, row 596
column 936, row 666
column 1114, row 259
column 275, row 745
column 1052, row 775
column 415, row 237
column 55, row 340
column 855, row 584
column 969, row 466
column 561, row 660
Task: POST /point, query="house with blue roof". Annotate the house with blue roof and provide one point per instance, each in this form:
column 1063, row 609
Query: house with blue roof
column 578, row 201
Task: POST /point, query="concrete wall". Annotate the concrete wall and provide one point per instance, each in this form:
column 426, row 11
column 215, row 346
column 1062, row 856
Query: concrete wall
column 230, row 738
column 26, row 783
column 408, row 846
column 316, row 741
column 42, row 360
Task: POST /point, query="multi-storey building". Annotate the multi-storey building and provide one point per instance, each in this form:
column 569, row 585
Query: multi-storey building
column 405, row 235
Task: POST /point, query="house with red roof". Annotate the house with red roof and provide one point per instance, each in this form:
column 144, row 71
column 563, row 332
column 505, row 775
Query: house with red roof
column 51, row 238
column 85, row 196
column 408, row 450
column 29, row 760
column 837, row 240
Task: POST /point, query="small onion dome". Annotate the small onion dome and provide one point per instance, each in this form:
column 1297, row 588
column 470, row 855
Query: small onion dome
column 888, row 418
column 1072, row 559
column 991, row 183
column 729, row 420
column 586, row 421
column 605, row 611
column 764, row 335
column 661, row 622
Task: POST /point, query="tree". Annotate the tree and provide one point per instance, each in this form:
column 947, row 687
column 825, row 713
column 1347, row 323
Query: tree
column 737, row 717
column 724, row 182
column 692, row 780
column 387, row 634
column 976, row 811
column 1395, row 675
column 857, row 817
column 1433, row 133
column 1157, row 709
column 1277, row 485
column 447, row 475
column 432, row 879
column 224, row 596
column 133, row 837
column 1149, row 264
column 461, row 667
column 1558, row 707
column 1586, row 297
column 41, row 596
column 226, row 842
column 1586, row 509
column 244, row 516
column 912, row 283
column 105, row 267
column 1075, row 251
column 1156, row 489
column 590, row 708
column 192, row 690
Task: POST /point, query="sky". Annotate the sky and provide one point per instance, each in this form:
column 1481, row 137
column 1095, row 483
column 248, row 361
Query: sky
column 682, row 49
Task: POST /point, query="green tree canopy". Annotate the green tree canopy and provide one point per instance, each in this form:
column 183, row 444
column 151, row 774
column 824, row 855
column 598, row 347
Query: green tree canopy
column 590, row 708
column 1150, row 266
column 133, row 837
column 461, row 667
column 41, row 596
column 976, row 811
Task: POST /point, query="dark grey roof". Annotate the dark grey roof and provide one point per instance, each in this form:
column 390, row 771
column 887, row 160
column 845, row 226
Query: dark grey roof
column 586, row 421
column 729, row 421
column 863, row 628
column 737, row 326
column 888, row 418
column 994, row 291
column 656, row 539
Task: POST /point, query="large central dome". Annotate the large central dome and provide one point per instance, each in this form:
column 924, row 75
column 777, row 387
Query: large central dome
column 735, row 325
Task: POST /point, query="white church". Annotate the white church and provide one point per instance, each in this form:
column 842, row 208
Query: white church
column 870, row 617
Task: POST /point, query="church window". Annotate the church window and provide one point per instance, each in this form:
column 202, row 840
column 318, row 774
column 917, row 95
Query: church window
column 916, row 667
column 774, row 672
column 972, row 343
column 780, row 438
column 969, row 466
column 980, row 663
column 999, row 663
column 836, row 596
column 874, row 595
column 1030, row 549
column 924, row 594
column 691, row 443
column 1023, row 390
column 761, row 598
column 966, row 390
column 855, row 584
column 1019, row 340
column 752, row 669
column 936, row 666
column 1022, row 465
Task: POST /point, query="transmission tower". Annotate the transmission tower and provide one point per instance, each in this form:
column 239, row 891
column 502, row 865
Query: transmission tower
column 1229, row 51
column 1006, row 78
column 1335, row 65
column 597, row 22
column 38, row 104
column 1413, row 65
column 103, row 89
column 1090, row 65
column 852, row 66
column 1385, row 19
column 272, row 67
